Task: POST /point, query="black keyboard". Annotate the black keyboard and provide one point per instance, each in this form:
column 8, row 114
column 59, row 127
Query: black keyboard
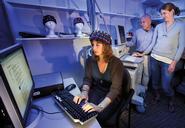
column 65, row 100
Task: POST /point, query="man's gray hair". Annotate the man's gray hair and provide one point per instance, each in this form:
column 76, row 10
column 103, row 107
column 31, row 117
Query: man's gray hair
column 146, row 16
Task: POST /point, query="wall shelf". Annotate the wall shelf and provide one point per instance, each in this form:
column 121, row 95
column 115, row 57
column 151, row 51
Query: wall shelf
column 46, row 38
column 39, row 6
column 176, row 17
column 118, row 14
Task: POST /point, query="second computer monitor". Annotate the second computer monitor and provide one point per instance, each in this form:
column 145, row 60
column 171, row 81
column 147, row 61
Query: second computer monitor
column 121, row 34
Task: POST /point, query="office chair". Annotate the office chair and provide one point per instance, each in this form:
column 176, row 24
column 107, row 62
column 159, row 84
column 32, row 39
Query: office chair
column 125, row 104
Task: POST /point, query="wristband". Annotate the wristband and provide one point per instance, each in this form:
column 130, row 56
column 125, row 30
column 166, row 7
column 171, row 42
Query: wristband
column 104, row 103
column 101, row 106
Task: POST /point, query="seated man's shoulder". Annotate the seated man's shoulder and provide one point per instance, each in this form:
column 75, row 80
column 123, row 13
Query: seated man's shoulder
column 139, row 30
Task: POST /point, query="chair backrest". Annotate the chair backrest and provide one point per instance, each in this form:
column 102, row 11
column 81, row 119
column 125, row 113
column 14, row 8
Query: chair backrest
column 126, row 83
column 127, row 94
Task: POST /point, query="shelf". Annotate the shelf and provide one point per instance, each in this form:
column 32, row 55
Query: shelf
column 58, row 38
column 65, row 37
column 176, row 17
column 24, row 5
column 118, row 14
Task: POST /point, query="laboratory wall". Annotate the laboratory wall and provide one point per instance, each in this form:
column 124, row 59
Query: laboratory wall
column 59, row 55
column 6, row 37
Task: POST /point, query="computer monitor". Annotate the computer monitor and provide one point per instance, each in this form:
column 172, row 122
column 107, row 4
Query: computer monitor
column 121, row 32
column 16, row 84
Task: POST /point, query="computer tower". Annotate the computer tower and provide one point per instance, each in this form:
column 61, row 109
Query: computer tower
column 4, row 117
column 45, row 84
column 8, row 115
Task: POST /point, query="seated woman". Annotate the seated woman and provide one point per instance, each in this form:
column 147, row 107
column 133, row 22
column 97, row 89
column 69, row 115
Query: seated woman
column 102, row 83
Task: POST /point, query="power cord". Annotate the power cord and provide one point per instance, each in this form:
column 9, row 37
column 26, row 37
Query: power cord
column 37, row 119
column 102, row 16
column 40, row 109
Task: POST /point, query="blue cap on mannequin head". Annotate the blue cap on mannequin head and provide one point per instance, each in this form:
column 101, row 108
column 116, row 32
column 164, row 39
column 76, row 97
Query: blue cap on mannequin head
column 78, row 20
column 47, row 18
column 101, row 36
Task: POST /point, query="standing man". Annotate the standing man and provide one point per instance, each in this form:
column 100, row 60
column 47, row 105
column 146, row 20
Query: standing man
column 141, row 40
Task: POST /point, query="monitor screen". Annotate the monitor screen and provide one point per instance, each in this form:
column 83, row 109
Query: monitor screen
column 17, row 78
column 121, row 30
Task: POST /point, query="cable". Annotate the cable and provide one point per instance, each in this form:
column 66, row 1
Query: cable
column 102, row 16
column 42, row 12
column 37, row 119
column 40, row 109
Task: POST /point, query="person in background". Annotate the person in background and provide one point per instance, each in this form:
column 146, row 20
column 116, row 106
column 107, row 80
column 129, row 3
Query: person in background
column 102, row 83
column 166, row 49
column 141, row 40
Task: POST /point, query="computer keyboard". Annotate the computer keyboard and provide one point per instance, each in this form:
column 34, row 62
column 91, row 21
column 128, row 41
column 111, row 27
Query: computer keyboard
column 65, row 100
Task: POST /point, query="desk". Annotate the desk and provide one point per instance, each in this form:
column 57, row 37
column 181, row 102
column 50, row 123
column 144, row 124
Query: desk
column 60, row 120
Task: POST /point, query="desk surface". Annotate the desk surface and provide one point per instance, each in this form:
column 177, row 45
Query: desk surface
column 59, row 120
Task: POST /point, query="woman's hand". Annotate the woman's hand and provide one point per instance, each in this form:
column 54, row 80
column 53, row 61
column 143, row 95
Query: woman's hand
column 89, row 107
column 92, row 107
column 171, row 67
column 79, row 98
column 83, row 95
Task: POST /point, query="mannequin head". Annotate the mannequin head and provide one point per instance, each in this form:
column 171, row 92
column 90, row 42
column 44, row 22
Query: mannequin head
column 50, row 23
column 78, row 23
column 78, row 28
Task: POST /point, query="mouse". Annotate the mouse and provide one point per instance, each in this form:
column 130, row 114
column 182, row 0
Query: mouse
column 70, row 87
